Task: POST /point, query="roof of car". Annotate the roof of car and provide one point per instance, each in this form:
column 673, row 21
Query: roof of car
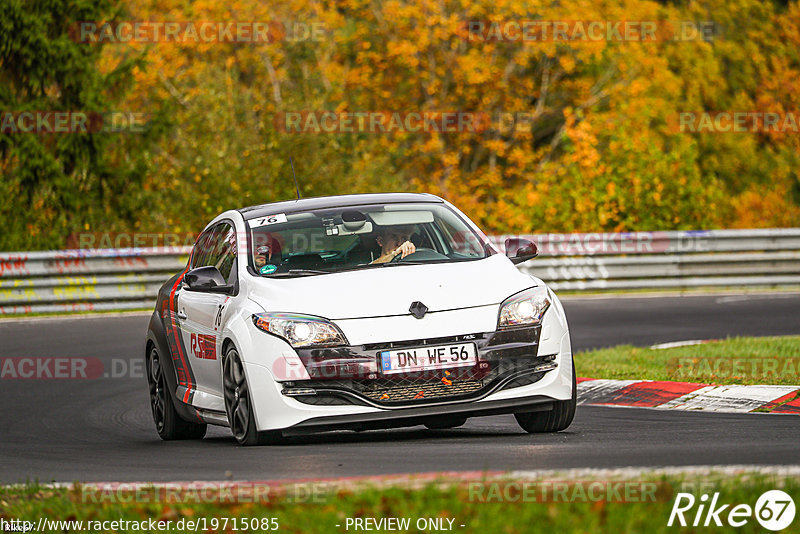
column 340, row 201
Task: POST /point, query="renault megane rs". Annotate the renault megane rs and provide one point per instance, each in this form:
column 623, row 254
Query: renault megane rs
column 355, row 312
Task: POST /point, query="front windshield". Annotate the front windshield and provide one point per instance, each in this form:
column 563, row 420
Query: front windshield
column 361, row 237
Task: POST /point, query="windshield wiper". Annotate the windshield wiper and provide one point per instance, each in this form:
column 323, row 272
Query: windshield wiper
column 298, row 272
column 404, row 262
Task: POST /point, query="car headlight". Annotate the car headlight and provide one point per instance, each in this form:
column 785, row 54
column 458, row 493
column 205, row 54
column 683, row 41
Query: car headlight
column 300, row 330
column 525, row 308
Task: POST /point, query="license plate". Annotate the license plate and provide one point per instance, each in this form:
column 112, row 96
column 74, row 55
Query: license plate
column 428, row 358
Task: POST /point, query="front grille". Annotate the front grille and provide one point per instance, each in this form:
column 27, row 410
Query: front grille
column 422, row 391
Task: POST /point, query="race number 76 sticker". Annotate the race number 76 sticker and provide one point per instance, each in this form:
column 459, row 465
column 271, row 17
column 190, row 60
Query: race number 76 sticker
column 269, row 219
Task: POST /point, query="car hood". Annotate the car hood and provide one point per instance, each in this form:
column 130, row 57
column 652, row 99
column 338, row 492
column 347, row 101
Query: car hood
column 386, row 291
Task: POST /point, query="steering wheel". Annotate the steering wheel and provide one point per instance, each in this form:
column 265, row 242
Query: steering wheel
column 399, row 257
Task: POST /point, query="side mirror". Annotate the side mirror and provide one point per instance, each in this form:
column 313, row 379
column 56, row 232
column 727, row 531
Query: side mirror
column 206, row 278
column 519, row 250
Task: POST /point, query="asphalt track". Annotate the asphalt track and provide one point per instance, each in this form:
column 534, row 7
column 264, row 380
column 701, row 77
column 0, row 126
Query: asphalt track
column 101, row 430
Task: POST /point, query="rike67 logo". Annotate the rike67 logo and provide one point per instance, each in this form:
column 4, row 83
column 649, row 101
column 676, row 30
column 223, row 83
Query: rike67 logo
column 774, row 510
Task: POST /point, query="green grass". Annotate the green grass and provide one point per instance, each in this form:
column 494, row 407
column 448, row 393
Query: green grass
column 18, row 316
column 461, row 502
column 741, row 360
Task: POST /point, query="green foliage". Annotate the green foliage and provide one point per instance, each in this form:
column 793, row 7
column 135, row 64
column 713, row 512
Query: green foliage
column 598, row 151
column 55, row 184
column 559, row 503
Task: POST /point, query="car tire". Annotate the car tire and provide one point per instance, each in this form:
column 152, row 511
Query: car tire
column 169, row 425
column 238, row 403
column 444, row 422
column 555, row 420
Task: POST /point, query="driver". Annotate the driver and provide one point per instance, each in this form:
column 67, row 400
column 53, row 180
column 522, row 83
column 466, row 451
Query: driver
column 394, row 240
column 265, row 253
column 261, row 256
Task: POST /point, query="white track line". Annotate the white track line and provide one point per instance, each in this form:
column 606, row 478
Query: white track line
column 447, row 477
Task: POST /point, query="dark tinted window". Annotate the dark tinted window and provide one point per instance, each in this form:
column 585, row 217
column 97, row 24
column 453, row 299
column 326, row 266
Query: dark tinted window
column 201, row 249
column 224, row 256
column 217, row 247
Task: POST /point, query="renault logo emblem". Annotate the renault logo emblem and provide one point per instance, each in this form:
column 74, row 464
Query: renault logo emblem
column 418, row 309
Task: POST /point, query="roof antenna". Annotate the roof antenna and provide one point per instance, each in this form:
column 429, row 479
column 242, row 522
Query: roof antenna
column 297, row 187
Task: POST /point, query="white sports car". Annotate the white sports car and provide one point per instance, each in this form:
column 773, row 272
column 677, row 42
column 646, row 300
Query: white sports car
column 355, row 312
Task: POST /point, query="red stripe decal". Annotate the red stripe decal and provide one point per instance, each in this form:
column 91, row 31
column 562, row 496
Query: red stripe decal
column 175, row 331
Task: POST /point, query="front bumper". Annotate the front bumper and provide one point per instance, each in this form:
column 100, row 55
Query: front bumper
column 352, row 375
column 348, row 400
column 418, row 416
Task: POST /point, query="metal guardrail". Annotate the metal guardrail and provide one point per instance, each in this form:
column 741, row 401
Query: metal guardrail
column 85, row 280
column 667, row 260
column 119, row 279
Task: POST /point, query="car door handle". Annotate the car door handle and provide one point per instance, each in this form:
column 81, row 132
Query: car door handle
column 182, row 316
